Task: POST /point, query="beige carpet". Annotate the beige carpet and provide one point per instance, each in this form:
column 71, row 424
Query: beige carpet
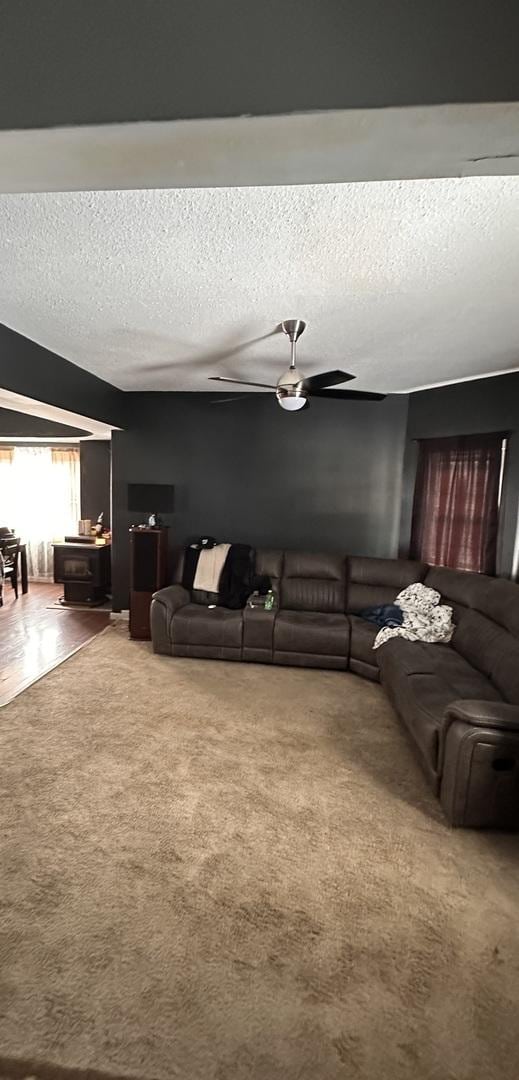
column 233, row 872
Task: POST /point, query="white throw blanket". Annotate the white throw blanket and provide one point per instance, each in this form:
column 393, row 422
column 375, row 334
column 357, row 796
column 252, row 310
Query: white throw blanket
column 209, row 568
column 424, row 618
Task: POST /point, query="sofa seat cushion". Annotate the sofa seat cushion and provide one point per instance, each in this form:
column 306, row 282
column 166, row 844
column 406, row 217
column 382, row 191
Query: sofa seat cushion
column 363, row 634
column 196, row 625
column 422, row 680
column 312, row 633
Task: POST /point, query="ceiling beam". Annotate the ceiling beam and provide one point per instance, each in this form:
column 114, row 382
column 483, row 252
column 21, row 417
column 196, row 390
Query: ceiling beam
column 38, row 382
column 340, row 146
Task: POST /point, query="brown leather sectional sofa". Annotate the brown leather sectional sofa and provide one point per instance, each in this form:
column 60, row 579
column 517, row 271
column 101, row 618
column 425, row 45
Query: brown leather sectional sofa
column 458, row 702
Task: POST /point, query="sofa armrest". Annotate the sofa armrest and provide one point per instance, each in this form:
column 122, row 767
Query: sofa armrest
column 493, row 714
column 173, row 597
column 480, row 764
column 164, row 604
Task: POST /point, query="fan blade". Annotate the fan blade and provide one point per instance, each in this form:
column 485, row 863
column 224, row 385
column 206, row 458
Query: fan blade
column 326, row 378
column 241, row 382
column 348, row 395
column 230, row 400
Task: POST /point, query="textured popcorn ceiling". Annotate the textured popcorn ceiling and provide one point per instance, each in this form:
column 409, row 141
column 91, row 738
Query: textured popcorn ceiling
column 405, row 283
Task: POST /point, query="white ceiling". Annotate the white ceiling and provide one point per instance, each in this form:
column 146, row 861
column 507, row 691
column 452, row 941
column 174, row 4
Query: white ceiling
column 404, row 283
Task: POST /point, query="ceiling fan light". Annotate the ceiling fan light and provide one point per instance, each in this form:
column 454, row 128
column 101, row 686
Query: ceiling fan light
column 292, row 400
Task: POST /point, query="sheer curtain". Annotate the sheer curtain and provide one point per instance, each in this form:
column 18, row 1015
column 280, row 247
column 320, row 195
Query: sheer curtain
column 6, row 460
column 39, row 499
column 456, row 503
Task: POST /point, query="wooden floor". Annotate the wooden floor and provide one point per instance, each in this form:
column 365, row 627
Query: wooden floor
column 34, row 638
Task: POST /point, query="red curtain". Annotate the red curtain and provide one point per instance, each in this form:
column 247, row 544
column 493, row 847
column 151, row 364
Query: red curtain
column 456, row 502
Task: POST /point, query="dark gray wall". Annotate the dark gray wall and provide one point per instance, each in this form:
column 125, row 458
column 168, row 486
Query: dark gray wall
column 95, row 468
column 325, row 479
column 16, row 424
column 28, row 369
column 465, row 408
column 468, row 408
column 78, row 62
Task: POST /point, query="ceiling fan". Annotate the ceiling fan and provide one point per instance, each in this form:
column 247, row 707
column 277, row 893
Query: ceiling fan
column 293, row 390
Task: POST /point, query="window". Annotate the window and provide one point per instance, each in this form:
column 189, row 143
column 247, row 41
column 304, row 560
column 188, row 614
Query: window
column 456, row 502
column 39, row 499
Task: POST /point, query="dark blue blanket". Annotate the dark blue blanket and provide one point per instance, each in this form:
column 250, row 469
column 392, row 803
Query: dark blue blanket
column 384, row 615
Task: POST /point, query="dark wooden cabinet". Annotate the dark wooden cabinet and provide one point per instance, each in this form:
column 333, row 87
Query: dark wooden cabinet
column 148, row 572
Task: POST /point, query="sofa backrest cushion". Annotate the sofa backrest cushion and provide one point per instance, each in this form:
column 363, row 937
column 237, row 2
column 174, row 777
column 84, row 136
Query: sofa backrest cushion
column 458, row 587
column 269, row 562
column 495, row 597
column 313, row 582
column 487, row 631
column 377, row 581
column 491, row 649
column 177, row 565
column 500, row 602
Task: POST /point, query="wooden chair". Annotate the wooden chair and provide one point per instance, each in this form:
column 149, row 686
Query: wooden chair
column 10, row 550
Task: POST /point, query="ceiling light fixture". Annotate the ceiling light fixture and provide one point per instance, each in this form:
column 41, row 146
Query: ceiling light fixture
column 290, row 392
column 291, row 398
column 294, row 390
